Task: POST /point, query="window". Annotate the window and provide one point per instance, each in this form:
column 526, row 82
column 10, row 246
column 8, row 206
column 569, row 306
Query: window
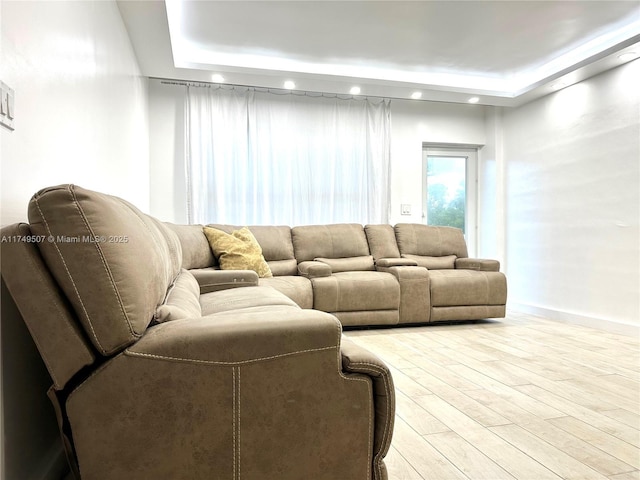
column 449, row 189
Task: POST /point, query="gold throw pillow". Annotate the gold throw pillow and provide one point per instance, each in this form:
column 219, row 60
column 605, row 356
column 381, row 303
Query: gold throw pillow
column 237, row 251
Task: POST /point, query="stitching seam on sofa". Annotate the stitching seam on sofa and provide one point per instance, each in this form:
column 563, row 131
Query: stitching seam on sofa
column 66, row 268
column 371, row 413
column 236, row 423
column 213, row 362
column 372, row 367
column 486, row 282
column 367, row 382
column 104, row 264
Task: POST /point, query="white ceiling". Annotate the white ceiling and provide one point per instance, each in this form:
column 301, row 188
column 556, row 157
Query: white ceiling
column 504, row 52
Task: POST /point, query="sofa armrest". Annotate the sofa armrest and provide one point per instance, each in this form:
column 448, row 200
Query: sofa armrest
column 212, row 279
column 415, row 299
column 314, row 269
column 240, row 336
column 356, row 359
column 395, row 262
column 480, row 264
column 222, row 384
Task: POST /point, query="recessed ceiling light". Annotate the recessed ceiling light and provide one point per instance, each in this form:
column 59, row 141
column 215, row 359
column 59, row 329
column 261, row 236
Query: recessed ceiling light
column 416, row 95
column 474, row 100
column 289, row 85
column 355, row 91
column 217, row 78
column 627, row 56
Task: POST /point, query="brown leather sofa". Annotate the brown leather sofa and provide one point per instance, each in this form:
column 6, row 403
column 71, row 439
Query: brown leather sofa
column 162, row 374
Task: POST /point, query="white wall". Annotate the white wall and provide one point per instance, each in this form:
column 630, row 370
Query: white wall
column 81, row 117
column 81, row 110
column 168, row 192
column 412, row 124
column 572, row 185
column 491, row 187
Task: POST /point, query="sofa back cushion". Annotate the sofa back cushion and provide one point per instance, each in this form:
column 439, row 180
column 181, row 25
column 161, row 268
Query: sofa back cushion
column 113, row 262
column 430, row 241
column 339, row 240
column 196, row 252
column 382, row 241
column 276, row 244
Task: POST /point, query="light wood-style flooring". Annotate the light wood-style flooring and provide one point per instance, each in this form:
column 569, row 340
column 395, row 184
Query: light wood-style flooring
column 517, row 398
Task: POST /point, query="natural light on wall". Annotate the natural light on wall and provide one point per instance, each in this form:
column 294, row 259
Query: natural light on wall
column 568, row 105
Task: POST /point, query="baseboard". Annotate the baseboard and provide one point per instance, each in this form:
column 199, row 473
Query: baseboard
column 621, row 328
column 54, row 464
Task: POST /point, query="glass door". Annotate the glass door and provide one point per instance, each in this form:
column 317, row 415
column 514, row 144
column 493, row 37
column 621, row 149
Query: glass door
column 449, row 190
column 446, row 191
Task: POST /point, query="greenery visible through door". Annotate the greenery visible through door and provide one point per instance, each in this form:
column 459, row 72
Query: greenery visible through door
column 446, row 192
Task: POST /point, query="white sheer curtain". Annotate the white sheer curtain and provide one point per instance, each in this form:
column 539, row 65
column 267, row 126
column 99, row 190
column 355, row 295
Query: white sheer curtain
column 263, row 158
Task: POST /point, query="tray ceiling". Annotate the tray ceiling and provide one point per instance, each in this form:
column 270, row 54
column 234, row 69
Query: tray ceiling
column 504, row 52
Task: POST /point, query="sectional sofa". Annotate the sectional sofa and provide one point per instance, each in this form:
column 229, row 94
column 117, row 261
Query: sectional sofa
column 153, row 379
column 371, row 275
column 165, row 365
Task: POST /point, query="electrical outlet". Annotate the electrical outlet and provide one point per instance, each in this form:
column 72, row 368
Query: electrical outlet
column 405, row 209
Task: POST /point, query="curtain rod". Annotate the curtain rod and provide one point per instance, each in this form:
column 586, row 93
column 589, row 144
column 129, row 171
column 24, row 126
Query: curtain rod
column 275, row 91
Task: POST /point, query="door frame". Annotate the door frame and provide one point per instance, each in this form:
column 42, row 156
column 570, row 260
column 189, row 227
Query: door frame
column 470, row 153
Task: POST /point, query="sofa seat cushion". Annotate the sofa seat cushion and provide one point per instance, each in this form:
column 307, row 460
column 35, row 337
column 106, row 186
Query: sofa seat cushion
column 244, row 297
column 296, row 288
column 238, row 250
column 182, row 299
column 356, row 291
column 467, row 287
